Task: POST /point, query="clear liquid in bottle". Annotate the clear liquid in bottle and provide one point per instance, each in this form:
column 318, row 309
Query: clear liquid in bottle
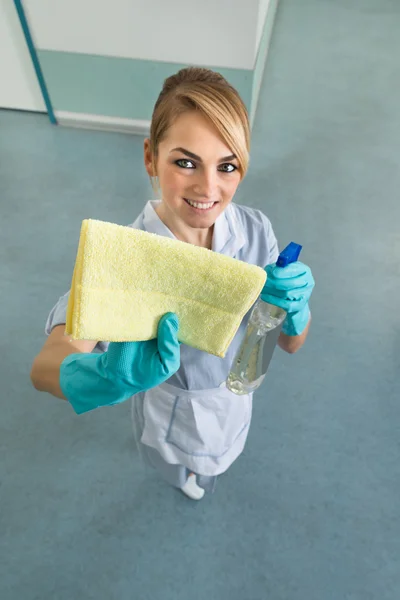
column 255, row 352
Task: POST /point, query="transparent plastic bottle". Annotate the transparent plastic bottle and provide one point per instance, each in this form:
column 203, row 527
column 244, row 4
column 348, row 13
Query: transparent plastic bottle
column 251, row 362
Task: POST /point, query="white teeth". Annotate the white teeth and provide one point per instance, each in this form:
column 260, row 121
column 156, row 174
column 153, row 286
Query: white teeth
column 201, row 205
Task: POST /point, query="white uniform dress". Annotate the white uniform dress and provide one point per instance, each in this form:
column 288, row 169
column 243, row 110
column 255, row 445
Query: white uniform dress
column 193, row 423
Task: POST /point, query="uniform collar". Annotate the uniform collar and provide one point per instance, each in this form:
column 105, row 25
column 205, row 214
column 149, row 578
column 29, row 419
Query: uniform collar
column 228, row 238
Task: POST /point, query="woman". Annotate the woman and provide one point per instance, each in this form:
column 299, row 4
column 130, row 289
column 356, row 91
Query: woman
column 192, row 428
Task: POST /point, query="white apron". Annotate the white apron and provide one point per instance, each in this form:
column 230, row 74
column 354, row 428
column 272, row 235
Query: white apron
column 203, row 430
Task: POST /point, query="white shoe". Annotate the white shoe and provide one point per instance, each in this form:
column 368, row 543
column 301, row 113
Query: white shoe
column 191, row 489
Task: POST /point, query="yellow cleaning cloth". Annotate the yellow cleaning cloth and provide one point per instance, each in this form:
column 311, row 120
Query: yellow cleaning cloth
column 125, row 279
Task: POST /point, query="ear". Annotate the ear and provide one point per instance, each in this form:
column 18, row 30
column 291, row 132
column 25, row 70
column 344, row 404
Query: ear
column 148, row 159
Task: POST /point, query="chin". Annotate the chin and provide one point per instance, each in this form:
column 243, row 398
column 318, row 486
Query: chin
column 202, row 221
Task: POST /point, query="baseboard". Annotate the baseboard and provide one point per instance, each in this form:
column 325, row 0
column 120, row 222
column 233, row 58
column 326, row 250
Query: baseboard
column 102, row 123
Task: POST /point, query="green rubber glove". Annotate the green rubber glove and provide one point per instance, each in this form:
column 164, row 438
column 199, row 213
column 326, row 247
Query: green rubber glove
column 126, row 368
column 290, row 288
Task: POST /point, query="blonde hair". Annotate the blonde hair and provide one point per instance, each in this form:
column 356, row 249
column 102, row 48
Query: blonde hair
column 208, row 92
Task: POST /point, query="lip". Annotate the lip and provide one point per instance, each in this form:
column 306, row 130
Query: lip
column 200, row 210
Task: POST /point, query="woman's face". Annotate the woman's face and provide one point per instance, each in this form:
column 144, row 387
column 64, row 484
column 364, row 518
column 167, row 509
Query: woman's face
column 198, row 174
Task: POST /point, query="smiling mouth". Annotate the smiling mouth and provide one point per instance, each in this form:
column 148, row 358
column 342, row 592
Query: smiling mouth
column 200, row 205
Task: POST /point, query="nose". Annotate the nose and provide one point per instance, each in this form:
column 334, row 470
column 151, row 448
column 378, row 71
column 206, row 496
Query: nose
column 206, row 184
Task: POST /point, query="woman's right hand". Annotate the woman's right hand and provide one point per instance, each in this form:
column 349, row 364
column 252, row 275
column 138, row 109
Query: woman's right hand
column 126, row 368
column 144, row 365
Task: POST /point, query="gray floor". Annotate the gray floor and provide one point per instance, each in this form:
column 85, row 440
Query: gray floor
column 311, row 510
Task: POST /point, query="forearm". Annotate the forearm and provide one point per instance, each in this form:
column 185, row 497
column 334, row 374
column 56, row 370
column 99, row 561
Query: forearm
column 293, row 343
column 45, row 373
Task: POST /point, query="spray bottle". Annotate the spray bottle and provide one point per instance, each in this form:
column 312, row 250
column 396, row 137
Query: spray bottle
column 255, row 352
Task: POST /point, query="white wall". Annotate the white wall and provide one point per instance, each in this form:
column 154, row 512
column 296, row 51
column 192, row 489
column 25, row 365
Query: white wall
column 210, row 32
column 19, row 87
column 262, row 13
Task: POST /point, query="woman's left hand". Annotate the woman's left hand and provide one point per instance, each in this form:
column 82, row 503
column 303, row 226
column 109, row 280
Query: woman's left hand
column 290, row 288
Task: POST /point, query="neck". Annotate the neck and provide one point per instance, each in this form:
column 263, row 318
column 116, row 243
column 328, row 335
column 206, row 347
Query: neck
column 196, row 237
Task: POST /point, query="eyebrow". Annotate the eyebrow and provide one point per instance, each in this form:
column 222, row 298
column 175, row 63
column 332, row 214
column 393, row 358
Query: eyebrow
column 195, row 157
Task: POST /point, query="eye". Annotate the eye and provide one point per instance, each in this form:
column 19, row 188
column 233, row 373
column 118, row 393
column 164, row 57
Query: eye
column 185, row 163
column 227, row 168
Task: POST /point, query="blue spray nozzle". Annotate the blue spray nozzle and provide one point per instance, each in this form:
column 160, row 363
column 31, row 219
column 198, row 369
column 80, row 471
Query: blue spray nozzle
column 289, row 255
